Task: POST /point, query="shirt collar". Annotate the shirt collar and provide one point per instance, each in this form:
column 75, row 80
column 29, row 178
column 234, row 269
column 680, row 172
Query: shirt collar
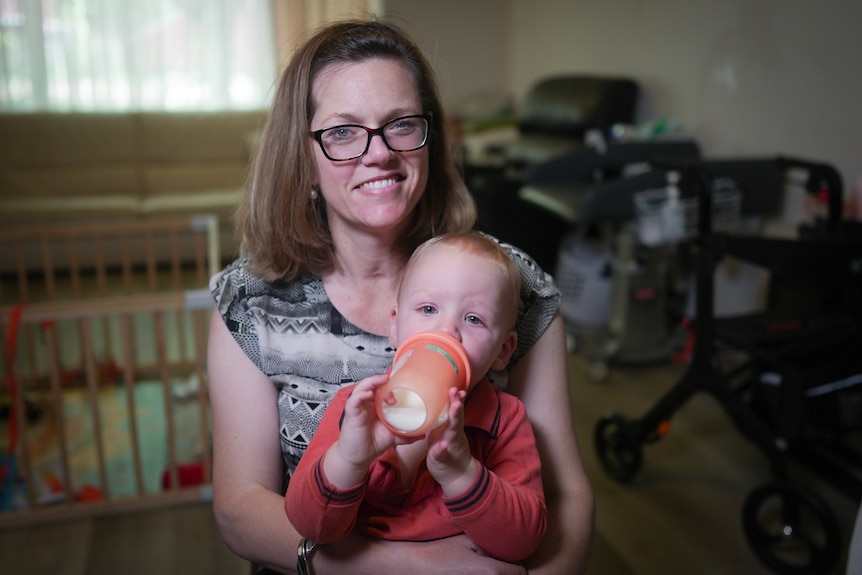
column 483, row 407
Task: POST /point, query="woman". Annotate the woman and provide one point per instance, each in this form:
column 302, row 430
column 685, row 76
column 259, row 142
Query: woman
column 353, row 172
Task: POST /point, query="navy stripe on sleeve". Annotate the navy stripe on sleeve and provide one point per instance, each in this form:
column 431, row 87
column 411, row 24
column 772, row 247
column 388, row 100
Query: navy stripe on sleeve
column 332, row 494
column 474, row 496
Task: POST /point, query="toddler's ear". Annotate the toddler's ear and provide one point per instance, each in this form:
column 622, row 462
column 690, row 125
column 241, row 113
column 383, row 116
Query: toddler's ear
column 393, row 327
column 506, row 351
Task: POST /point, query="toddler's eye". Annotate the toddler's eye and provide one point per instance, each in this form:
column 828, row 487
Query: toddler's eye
column 473, row 320
column 428, row 309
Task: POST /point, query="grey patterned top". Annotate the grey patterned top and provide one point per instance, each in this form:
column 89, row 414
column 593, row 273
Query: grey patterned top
column 292, row 332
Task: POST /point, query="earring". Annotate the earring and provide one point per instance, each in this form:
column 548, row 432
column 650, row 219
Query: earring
column 314, row 193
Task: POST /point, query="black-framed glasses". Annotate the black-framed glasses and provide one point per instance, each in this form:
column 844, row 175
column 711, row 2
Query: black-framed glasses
column 351, row 141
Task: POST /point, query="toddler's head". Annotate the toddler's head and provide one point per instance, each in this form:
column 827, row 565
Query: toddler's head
column 463, row 284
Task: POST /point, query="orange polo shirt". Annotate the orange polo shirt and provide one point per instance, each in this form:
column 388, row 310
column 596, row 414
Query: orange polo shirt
column 503, row 513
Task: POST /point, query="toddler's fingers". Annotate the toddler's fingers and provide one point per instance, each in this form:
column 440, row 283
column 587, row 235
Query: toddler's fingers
column 373, row 381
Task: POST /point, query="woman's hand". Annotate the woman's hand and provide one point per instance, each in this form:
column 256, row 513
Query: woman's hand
column 361, row 554
column 449, row 460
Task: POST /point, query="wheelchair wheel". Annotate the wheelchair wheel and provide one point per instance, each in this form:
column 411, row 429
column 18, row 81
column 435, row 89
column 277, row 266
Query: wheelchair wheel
column 791, row 530
column 621, row 458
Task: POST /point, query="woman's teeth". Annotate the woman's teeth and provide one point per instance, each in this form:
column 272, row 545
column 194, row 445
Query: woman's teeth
column 379, row 183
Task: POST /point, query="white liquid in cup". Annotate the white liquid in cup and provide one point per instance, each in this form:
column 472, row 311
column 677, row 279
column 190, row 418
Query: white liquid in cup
column 407, row 413
column 404, row 418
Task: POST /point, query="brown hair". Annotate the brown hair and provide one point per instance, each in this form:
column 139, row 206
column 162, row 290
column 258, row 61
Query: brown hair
column 284, row 232
column 484, row 246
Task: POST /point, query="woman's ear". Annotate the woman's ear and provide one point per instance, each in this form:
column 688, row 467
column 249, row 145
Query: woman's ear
column 506, row 351
column 393, row 327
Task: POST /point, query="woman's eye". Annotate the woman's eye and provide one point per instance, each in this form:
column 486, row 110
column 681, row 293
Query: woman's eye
column 402, row 126
column 340, row 134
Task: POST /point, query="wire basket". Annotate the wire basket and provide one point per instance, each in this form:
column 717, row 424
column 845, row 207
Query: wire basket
column 663, row 217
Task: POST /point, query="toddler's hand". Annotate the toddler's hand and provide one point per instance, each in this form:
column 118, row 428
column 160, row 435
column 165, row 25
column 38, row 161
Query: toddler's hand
column 449, row 459
column 363, row 437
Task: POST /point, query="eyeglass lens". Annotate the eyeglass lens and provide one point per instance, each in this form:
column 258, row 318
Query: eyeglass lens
column 351, row 141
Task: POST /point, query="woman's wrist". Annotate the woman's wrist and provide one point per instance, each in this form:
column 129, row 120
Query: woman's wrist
column 303, row 556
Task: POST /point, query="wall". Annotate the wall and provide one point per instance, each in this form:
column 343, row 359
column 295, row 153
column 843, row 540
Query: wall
column 464, row 40
column 744, row 77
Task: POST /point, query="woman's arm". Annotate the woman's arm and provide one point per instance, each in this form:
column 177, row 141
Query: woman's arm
column 541, row 380
column 247, row 462
column 363, row 554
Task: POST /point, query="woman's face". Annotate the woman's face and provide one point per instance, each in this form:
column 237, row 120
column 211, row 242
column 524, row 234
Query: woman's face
column 378, row 191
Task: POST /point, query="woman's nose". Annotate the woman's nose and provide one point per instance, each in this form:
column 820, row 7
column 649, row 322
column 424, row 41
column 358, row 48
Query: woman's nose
column 377, row 149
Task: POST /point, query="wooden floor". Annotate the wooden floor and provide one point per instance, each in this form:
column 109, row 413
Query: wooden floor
column 178, row 541
column 680, row 515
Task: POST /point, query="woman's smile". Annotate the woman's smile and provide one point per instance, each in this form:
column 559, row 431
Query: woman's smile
column 379, row 184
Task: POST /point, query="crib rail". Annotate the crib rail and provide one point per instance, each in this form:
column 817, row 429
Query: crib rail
column 96, row 259
column 83, row 261
column 114, row 347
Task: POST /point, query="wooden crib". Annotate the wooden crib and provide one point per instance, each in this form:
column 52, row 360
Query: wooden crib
column 104, row 380
column 73, row 261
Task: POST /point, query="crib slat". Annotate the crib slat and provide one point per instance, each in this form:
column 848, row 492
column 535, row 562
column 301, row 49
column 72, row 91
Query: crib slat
column 101, row 266
column 176, row 268
column 53, row 355
column 29, row 340
column 152, row 268
column 201, row 270
column 126, row 265
column 164, row 371
column 74, row 266
column 84, row 326
column 182, row 337
column 48, row 270
column 129, row 379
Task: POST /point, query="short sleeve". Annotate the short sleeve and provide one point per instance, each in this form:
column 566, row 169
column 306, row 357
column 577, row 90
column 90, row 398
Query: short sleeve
column 230, row 289
column 540, row 300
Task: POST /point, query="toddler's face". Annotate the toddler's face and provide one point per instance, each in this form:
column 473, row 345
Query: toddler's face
column 462, row 294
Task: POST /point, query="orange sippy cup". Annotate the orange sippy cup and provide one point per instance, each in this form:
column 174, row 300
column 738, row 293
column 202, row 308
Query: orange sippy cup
column 415, row 400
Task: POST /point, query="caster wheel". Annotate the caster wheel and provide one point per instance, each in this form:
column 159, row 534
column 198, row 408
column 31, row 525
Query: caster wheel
column 620, row 458
column 791, row 530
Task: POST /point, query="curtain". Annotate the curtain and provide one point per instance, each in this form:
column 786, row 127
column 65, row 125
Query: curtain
column 173, row 55
column 295, row 19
